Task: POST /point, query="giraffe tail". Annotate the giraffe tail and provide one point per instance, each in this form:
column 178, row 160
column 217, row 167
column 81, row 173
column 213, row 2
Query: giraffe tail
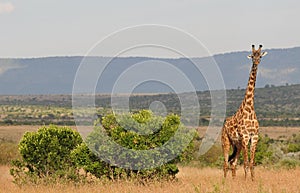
column 232, row 156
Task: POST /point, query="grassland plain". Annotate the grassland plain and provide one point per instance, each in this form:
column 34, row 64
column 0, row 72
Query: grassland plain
column 14, row 133
column 189, row 179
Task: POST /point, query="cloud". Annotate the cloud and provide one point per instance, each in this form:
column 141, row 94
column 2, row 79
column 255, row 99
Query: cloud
column 275, row 73
column 6, row 8
column 8, row 65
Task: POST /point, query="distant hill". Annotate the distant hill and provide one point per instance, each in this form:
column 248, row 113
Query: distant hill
column 55, row 75
column 275, row 106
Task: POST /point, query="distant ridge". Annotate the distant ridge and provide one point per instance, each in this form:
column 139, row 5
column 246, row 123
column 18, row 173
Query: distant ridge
column 55, row 75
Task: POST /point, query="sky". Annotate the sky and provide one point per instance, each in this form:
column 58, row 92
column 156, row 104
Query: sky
column 34, row 28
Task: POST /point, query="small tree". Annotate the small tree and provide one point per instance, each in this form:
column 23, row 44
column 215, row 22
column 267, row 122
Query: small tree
column 263, row 154
column 46, row 154
column 140, row 132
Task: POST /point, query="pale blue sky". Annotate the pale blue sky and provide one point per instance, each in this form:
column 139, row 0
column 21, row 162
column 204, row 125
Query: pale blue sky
column 31, row 28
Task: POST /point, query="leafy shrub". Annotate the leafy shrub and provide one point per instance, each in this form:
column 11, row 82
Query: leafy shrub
column 87, row 160
column 289, row 163
column 293, row 147
column 138, row 132
column 294, row 143
column 212, row 157
column 84, row 158
column 263, row 153
column 46, row 154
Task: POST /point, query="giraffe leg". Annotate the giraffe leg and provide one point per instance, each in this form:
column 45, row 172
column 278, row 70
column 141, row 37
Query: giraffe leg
column 254, row 141
column 234, row 161
column 245, row 156
column 226, row 148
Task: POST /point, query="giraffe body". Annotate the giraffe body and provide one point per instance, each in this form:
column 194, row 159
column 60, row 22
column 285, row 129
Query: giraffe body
column 242, row 128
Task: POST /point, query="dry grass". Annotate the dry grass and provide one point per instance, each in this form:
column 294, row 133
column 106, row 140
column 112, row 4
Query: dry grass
column 273, row 132
column 14, row 133
column 189, row 180
column 279, row 132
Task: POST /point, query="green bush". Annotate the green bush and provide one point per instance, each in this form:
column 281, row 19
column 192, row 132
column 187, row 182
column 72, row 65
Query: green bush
column 138, row 133
column 294, row 143
column 53, row 153
column 46, row 154
column 293, row 147
column 289, row 163
column 212, row 157
column 263, row 153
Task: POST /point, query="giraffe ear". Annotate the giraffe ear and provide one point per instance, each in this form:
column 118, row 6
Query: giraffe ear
column 264, row 53
column 249, row 56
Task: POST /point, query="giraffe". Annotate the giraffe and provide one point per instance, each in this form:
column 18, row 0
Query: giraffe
column 242, row 128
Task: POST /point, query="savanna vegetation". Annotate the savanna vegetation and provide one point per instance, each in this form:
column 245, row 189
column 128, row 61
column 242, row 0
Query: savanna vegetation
column 56, row 156
column 59, row 153
column 275, row 106
column 74, row 168
column 276, row 171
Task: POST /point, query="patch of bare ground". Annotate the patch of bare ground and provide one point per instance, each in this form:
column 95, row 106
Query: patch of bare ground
column 14, row 133
column 273, row 132
column 279, row 132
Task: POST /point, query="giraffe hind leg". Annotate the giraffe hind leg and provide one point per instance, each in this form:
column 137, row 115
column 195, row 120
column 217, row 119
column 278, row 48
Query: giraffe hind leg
column 231, row 160
column 225, row 147
column 234, row 159
column 232, row 156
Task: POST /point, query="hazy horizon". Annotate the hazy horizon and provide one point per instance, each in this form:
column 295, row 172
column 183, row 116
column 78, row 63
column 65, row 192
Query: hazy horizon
column 140, row 56
column 31, row 29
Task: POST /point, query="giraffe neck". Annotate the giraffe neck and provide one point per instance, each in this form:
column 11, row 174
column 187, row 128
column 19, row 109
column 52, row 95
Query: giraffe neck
column 248, row 102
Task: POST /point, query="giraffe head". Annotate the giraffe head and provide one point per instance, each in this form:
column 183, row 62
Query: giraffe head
column 256, row 55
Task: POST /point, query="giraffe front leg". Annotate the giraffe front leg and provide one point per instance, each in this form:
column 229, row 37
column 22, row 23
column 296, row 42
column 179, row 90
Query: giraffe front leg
column 246, row 161
column 254, row 141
